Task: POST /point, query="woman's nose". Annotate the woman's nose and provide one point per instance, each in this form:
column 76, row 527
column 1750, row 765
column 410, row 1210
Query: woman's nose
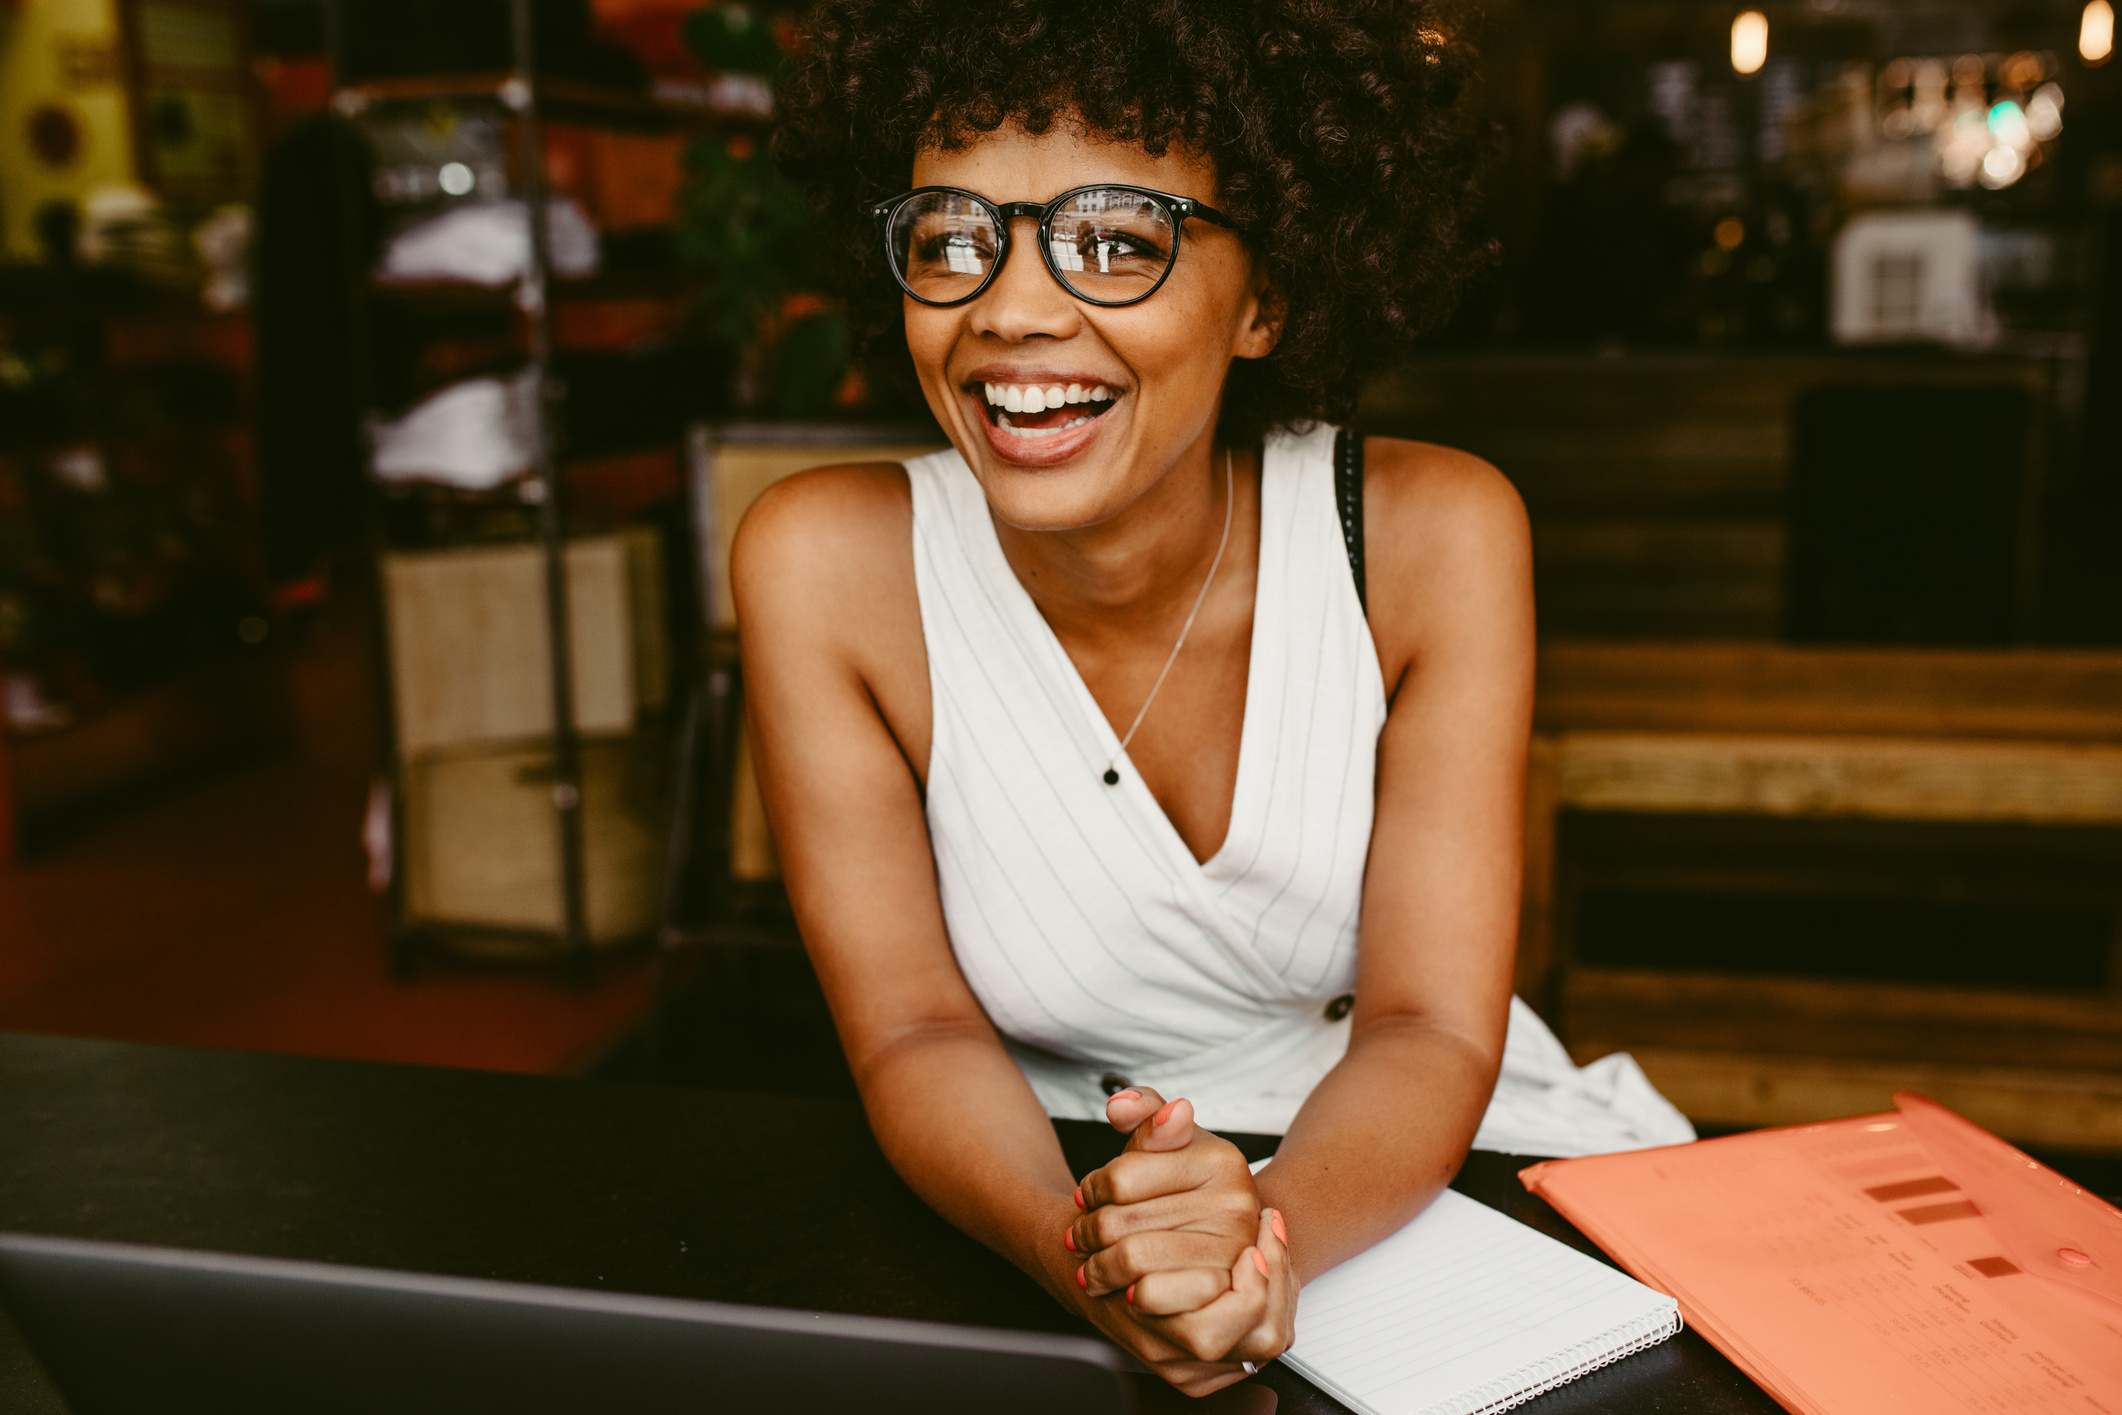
column 1025, row 301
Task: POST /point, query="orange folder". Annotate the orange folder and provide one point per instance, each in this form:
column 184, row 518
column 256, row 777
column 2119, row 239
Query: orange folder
column 1909, row 1262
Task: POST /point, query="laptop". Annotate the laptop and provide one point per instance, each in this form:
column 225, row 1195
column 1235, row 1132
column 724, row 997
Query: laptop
column 126, row 1330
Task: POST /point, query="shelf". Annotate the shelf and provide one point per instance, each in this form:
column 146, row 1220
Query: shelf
column 557, row 99
column 628, row 478
column 467, row 296
column 460, row 329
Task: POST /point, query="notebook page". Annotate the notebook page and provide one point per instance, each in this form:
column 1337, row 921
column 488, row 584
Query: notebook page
column 1839, row 1267
column 1465, row 1311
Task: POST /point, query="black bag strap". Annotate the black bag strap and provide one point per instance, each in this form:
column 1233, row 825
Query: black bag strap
column 1348, row 500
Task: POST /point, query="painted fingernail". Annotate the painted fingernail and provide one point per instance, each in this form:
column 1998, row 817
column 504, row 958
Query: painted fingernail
column 1274, row 1221
column 1078, row 1196
column 1259, row 1260
column 1127, row 1095
column 1130, row 1294
column 1068, row 1239
column 1166, row 1113
column 1082, row 1281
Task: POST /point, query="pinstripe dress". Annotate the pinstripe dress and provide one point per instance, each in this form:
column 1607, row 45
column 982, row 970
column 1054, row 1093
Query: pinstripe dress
column 1086, row 928
column 1099, row 947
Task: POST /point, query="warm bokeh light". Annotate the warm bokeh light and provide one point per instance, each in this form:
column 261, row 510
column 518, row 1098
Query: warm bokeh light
column 2044, row 112
column 2002, row 166
column 2096, row 32
column 1749, row 40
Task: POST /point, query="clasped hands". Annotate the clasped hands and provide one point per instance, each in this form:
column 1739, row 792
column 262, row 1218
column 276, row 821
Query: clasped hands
column 1178, row 1260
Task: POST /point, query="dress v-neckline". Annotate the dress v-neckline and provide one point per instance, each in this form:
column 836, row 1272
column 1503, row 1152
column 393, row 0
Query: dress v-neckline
column 1242, row 819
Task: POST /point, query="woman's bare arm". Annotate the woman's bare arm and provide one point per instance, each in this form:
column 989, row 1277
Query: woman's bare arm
column 836, row 681
column 1450, row 595
column 833, row 664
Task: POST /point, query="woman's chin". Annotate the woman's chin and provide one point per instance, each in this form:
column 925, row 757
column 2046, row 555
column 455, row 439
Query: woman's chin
column 1024, row 448
column 1054, row 497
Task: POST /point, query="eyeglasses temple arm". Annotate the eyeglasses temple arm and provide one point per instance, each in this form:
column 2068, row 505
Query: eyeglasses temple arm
column 1188, row 206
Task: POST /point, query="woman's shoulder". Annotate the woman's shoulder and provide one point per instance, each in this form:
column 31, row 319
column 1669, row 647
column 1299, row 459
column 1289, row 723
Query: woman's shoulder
column 826, row 540
column 1423, row 493
column 854, row 509
column 1447, row 546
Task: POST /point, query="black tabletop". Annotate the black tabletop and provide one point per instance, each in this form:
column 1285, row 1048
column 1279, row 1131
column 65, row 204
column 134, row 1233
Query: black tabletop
column 742, row 1198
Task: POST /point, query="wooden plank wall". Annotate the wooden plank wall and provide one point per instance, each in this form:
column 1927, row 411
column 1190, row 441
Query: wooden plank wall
column 1656, row 483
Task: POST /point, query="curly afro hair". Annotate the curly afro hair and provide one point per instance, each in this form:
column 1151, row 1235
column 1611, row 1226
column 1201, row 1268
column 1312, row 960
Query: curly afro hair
column 1340, row 132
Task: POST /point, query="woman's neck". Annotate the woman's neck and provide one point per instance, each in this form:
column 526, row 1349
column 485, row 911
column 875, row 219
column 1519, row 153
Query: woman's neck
column 1127, row 573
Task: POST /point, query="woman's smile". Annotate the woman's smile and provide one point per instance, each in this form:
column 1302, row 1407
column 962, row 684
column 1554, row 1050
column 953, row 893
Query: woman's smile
column 1038, row 417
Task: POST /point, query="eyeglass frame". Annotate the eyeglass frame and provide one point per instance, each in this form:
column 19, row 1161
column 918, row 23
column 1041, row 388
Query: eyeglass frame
column 1006, row 214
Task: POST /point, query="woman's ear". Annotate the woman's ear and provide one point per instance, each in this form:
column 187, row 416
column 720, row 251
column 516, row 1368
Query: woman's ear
column 1262, row 317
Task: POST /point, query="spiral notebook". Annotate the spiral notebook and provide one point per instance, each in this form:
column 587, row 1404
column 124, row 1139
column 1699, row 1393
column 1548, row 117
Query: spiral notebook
column 1466, row 1311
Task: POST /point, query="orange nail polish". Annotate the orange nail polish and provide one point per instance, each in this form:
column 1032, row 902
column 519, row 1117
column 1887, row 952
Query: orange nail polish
column 1078, row 1197
column 1068, row 1239
column 1259, row 1260
column 1274, row 1221
column 1166, row 1113
column 1082, row 1281
column 1130, row 1294
column 1127, row 1095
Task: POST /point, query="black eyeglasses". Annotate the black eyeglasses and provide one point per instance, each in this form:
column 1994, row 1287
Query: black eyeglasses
column 1107, row 245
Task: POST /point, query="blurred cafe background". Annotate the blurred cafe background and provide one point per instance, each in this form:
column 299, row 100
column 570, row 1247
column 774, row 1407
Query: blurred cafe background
column 381, row 382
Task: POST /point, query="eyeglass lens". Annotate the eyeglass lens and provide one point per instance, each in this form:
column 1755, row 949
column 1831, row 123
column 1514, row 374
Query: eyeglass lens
column 1109, row 245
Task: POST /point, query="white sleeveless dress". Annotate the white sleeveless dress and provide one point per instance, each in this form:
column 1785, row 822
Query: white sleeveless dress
column 1095, row 941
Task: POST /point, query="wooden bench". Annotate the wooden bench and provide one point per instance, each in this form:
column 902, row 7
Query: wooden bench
column 2027, row 737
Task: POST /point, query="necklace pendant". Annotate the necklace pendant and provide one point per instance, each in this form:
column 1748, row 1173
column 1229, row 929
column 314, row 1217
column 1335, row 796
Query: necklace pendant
column 1112, row 778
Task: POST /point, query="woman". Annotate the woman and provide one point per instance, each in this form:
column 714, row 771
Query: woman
column 1094, row 746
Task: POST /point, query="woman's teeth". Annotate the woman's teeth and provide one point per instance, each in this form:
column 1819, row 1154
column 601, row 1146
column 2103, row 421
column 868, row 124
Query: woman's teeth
column 1033, row 398
column 1002, row 421
column 1030, row 398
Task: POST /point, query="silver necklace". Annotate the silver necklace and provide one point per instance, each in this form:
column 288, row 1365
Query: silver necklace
column 1112, row 773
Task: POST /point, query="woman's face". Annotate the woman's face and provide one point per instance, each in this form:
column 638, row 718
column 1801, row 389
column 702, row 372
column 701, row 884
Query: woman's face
column 1162, row 362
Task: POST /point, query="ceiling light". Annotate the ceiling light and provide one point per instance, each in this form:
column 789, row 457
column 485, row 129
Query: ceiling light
column 2096, row 32
column 1749, row 38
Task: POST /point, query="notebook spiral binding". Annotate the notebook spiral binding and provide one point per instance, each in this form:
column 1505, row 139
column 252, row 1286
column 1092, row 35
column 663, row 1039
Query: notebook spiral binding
column 1514, row 1390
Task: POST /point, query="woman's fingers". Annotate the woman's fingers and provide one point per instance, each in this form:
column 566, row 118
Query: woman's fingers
column 1248, row 1314
column 1169, row 1127
column 1144, row 1338
column 1277, row 1327
column 1213, row 1332
column 1255, row 1320
column 1199, row 1378
column 1170, row 1293
column 1150, row 1121
column 1282, row 1300
column 1227, row 1211
column 1114, row 1269
column 1138, row 1175
column 1107, row 1224
column 1129, row 1108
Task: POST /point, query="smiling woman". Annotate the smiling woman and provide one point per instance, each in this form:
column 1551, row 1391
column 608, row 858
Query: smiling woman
column 1158, row 740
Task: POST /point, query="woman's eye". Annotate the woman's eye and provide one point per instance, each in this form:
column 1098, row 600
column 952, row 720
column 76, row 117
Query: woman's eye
column 955, row 251
column 1108, row 251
